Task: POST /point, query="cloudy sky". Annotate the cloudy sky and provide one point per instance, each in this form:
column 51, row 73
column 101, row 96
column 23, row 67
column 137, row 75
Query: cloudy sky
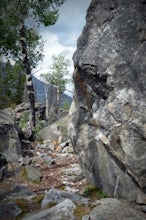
column 62, row 37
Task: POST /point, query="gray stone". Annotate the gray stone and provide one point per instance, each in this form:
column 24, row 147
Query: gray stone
column 20, row 192
column 108, row 115
column 114, row 209
column 41, row 155
column 75, row 170
column 86, row 217
column 10, row 146
column 64, row 144
column 3, row 167
column 2, row 194
column 9, row 211
column 33, row 173
column 55, row 130
column 68, row 149
column 56, row 196
column 49, row 160
column 47, row 145
column 25, row 160
column 61, row 211
column 143, row 208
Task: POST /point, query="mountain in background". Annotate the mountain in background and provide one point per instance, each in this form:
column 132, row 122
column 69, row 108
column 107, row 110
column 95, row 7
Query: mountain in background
column 39, row 88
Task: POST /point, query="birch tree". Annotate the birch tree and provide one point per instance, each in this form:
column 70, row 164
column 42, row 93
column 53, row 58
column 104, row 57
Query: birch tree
column 17, row 37
column 57, row 77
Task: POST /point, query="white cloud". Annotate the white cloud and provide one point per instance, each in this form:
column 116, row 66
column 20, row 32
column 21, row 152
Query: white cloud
column 61, row 38
column 53, row 47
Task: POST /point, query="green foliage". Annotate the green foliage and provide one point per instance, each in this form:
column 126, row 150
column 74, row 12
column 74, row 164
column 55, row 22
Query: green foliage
column 37, row 130
column 23, row 122
column 81, row 210
column 93, row 193
column 23, row 204
column 66, row 105
column 27, row 206
column 51, row 204
column 11, row 84
column 24, row 119
column 19, row 38
column 31, row 14
column 58, row 73
column 35, row 46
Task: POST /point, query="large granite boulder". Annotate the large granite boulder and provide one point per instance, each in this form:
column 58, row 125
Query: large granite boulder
column 10, row 146
column 114, row 209
column 108, row 115
column 56, row 131
column 62, row 211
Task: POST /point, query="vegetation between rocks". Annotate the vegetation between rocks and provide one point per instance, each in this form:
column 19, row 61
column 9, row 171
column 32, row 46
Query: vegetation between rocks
column 93, row 193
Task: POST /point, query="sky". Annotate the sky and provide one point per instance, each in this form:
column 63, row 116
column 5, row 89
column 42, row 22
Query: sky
column 61, row 38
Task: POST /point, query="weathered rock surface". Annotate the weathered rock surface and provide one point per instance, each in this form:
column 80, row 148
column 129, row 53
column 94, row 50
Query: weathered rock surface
column 10, row 146
column 108, row 115
column 33, row 173
column 23, row 108
column 9, row 211
column 56, row 196
column 62, row 211
column 56, row 131
column 20, row 192
column 114, row 209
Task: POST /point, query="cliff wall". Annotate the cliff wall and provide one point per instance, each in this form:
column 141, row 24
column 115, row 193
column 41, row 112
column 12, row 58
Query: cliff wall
column 108, row 114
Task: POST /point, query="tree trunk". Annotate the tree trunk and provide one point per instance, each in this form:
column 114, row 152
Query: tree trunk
column 47, row 104
column 30, row 89
column 58, row 98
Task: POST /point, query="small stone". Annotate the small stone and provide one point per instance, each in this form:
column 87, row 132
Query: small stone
column 76, row 170
column 49, row 160
column 25, row 160
column 21, row 192
column 70, row 189
column 33, row 173
column 56, row 196
column 9, row 211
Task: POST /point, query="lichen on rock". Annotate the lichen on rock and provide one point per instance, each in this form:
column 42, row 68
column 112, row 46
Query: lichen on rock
column 108, row 115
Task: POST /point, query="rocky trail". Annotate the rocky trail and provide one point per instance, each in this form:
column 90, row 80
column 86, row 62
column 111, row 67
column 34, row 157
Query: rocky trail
column 106, row 124
column 35, row 176
column 43, row 180
column 58, row 170
column 55, row 189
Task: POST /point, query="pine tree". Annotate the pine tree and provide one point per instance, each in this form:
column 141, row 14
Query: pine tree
column 12, row 80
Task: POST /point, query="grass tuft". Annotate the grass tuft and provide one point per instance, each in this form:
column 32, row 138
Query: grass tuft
column 93, row 193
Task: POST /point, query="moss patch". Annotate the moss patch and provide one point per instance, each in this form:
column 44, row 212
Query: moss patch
column 81, row 210
column 28, row 206
column 51, row 204
column 93, row 193
column 23, row 204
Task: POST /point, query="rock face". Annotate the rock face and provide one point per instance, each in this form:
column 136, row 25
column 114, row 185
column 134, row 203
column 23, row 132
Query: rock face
column 57, row 130
column 62, row 211
column 56, row 196
column 108, row 114
column 10, row 146
column 9, row 211
column 114, row 209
